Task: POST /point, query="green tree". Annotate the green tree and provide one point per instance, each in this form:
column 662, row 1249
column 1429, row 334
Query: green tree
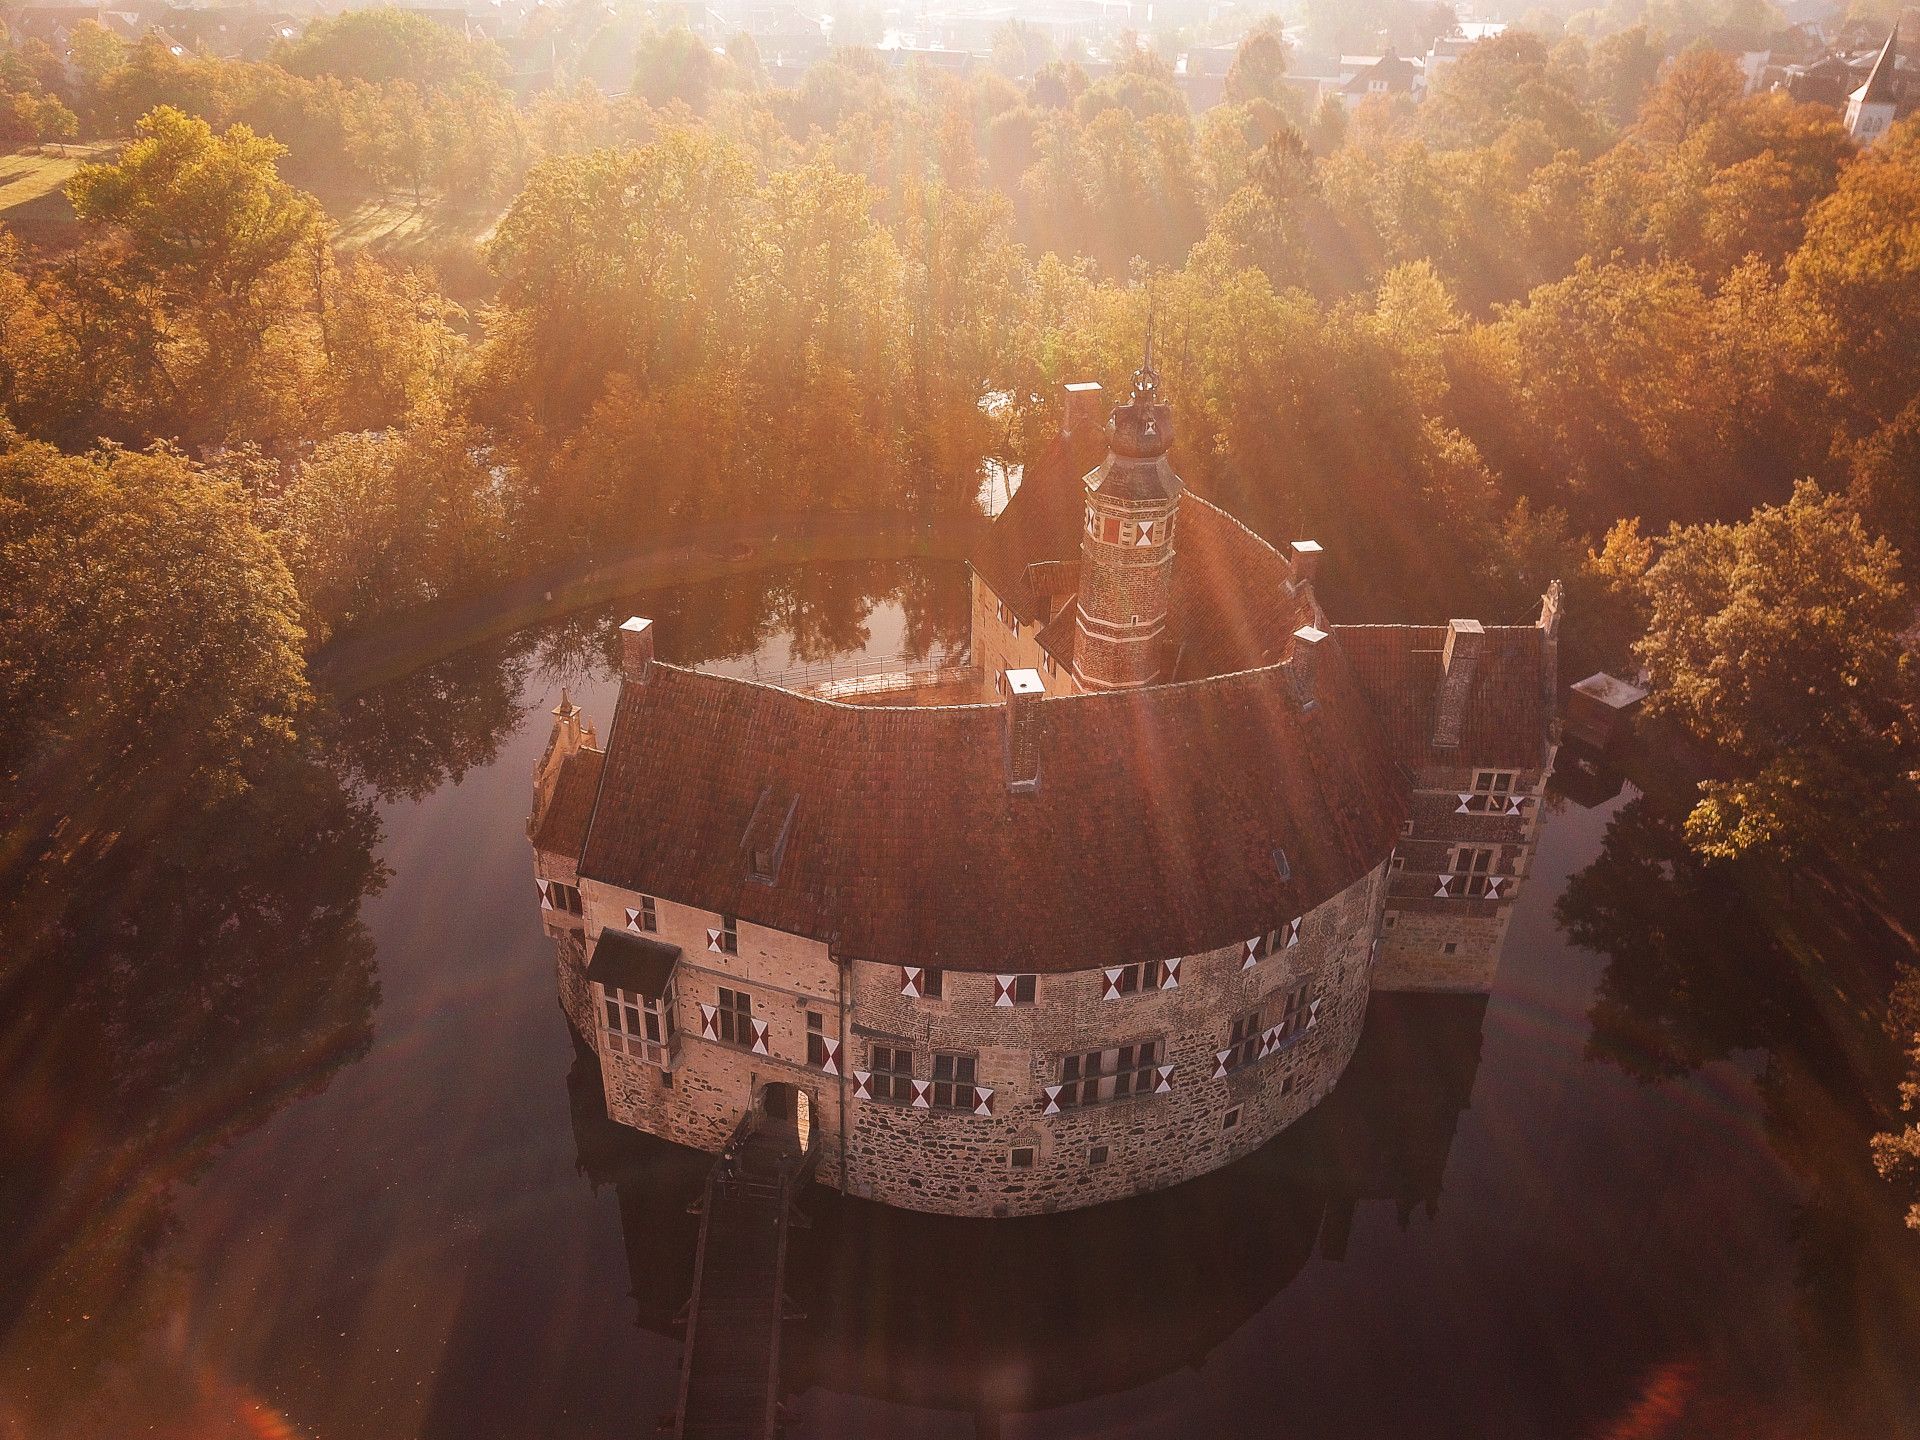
column 150, row 643
column 1778, row 642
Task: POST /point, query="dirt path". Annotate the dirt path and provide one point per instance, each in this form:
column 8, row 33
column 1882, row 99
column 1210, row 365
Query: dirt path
column 359, row 661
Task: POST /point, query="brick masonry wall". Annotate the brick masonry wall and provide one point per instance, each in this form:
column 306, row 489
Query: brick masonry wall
column 959, row 1162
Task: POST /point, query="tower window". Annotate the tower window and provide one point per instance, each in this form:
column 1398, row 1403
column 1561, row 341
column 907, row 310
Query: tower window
column 729, row 935
column 953, row 1077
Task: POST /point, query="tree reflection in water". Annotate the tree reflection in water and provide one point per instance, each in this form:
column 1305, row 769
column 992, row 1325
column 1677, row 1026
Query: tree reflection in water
column 164, row 1003
column 1697, row 972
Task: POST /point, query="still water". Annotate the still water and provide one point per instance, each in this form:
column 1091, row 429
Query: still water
column 1626, row 1195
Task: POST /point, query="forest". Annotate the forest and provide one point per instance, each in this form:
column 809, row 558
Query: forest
column 1589, row 312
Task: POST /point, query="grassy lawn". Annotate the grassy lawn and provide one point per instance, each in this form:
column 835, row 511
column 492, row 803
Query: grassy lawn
column 31, row 201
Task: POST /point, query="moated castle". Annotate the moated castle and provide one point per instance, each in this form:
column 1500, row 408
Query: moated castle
column 1093, row 916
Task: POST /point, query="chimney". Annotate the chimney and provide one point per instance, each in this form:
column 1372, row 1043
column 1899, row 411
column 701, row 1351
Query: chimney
column 1303, row 665
column 1082, row 414
column 636, row 650
column 1303, row 559
column 1465, row 640
column 1024, row 694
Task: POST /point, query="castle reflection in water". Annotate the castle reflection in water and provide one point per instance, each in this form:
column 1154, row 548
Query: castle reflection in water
column 998, row 1316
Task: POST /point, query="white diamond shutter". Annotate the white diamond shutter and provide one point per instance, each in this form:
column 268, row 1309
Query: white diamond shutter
column 713, row 943
column 1050, row 1100
column 1110, row 983
column 920, row 1101
column 1293, row 933
column 633, row 920
column 1313, row 1013
column 760, row 1046
column 709, row 1023
column 546, row 893
column 1495, row 884
column 1003, row 989
column 912, row 981
column 1220, row 1058
column 1170, row 975
column 830, row 1056
column 982, row 1100
column 860, row 1090
column 1163, row 1080
column 1445, row 888
column 1251, row 949
column 1465, row 807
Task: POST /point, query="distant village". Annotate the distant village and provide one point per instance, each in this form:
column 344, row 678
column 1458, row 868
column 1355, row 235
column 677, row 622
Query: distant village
column 1873, row 78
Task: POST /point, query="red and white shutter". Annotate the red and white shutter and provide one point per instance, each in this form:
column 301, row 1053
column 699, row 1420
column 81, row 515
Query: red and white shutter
column 633, row 920
column 1444, row 889
column 1110, row 983
column 713, row 943
column 1293, row 933
column 1170, row 975
column 1163, row 1080
column 709, row 1022
column 830, row 1057
column 1250, row 952
column 983, row 1100
column 1516, row 804
column 860, row 1090
column 912, row 981
column 1145, row 533
column 1003, row 989
column 546, row 893
column 1465, row 807
column 1495, row 884
column 920, row 1101
column 760, row 1046
column 1050, row 1100
column 1220, row 1058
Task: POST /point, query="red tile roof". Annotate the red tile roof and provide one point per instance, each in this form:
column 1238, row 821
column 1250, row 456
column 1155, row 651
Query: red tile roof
column 1153, row 833
column 1040, row 524
column 562, row 830
column 1231, row 607
column 1506, row 718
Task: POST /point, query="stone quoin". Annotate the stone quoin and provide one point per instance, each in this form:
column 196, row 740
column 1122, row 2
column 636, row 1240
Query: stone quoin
column 1099, row 916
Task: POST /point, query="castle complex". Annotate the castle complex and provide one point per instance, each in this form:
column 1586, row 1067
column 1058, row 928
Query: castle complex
column 1097, row 915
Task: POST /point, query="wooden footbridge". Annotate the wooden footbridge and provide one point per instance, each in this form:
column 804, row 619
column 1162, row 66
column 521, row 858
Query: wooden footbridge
column 730, row 1365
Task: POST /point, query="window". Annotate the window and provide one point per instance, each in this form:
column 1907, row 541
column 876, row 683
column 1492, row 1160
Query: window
column 1102, row 1075
column 1399, row 863
column 565, row 897
column 1491, row 790
column 816, row 1040
column 733, row 1020
column 1231, row 1120
column 1096, row 1155
column 1016, row 627
column 953, row 1082
column 1293, row 1019
column 892, row 1074
column 1014, row 989
column 729, row 935
column 647, row 917
column 1243, row 1042
column 1392, row 920
column 635, row 1025
column 1452, row 947
column 932, row 981
column 1476, row 863
column 1406, row 828
column 1020, row 1157
column 1147, row 975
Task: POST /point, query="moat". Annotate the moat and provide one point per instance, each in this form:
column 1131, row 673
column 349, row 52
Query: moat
column 1626, row 1194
